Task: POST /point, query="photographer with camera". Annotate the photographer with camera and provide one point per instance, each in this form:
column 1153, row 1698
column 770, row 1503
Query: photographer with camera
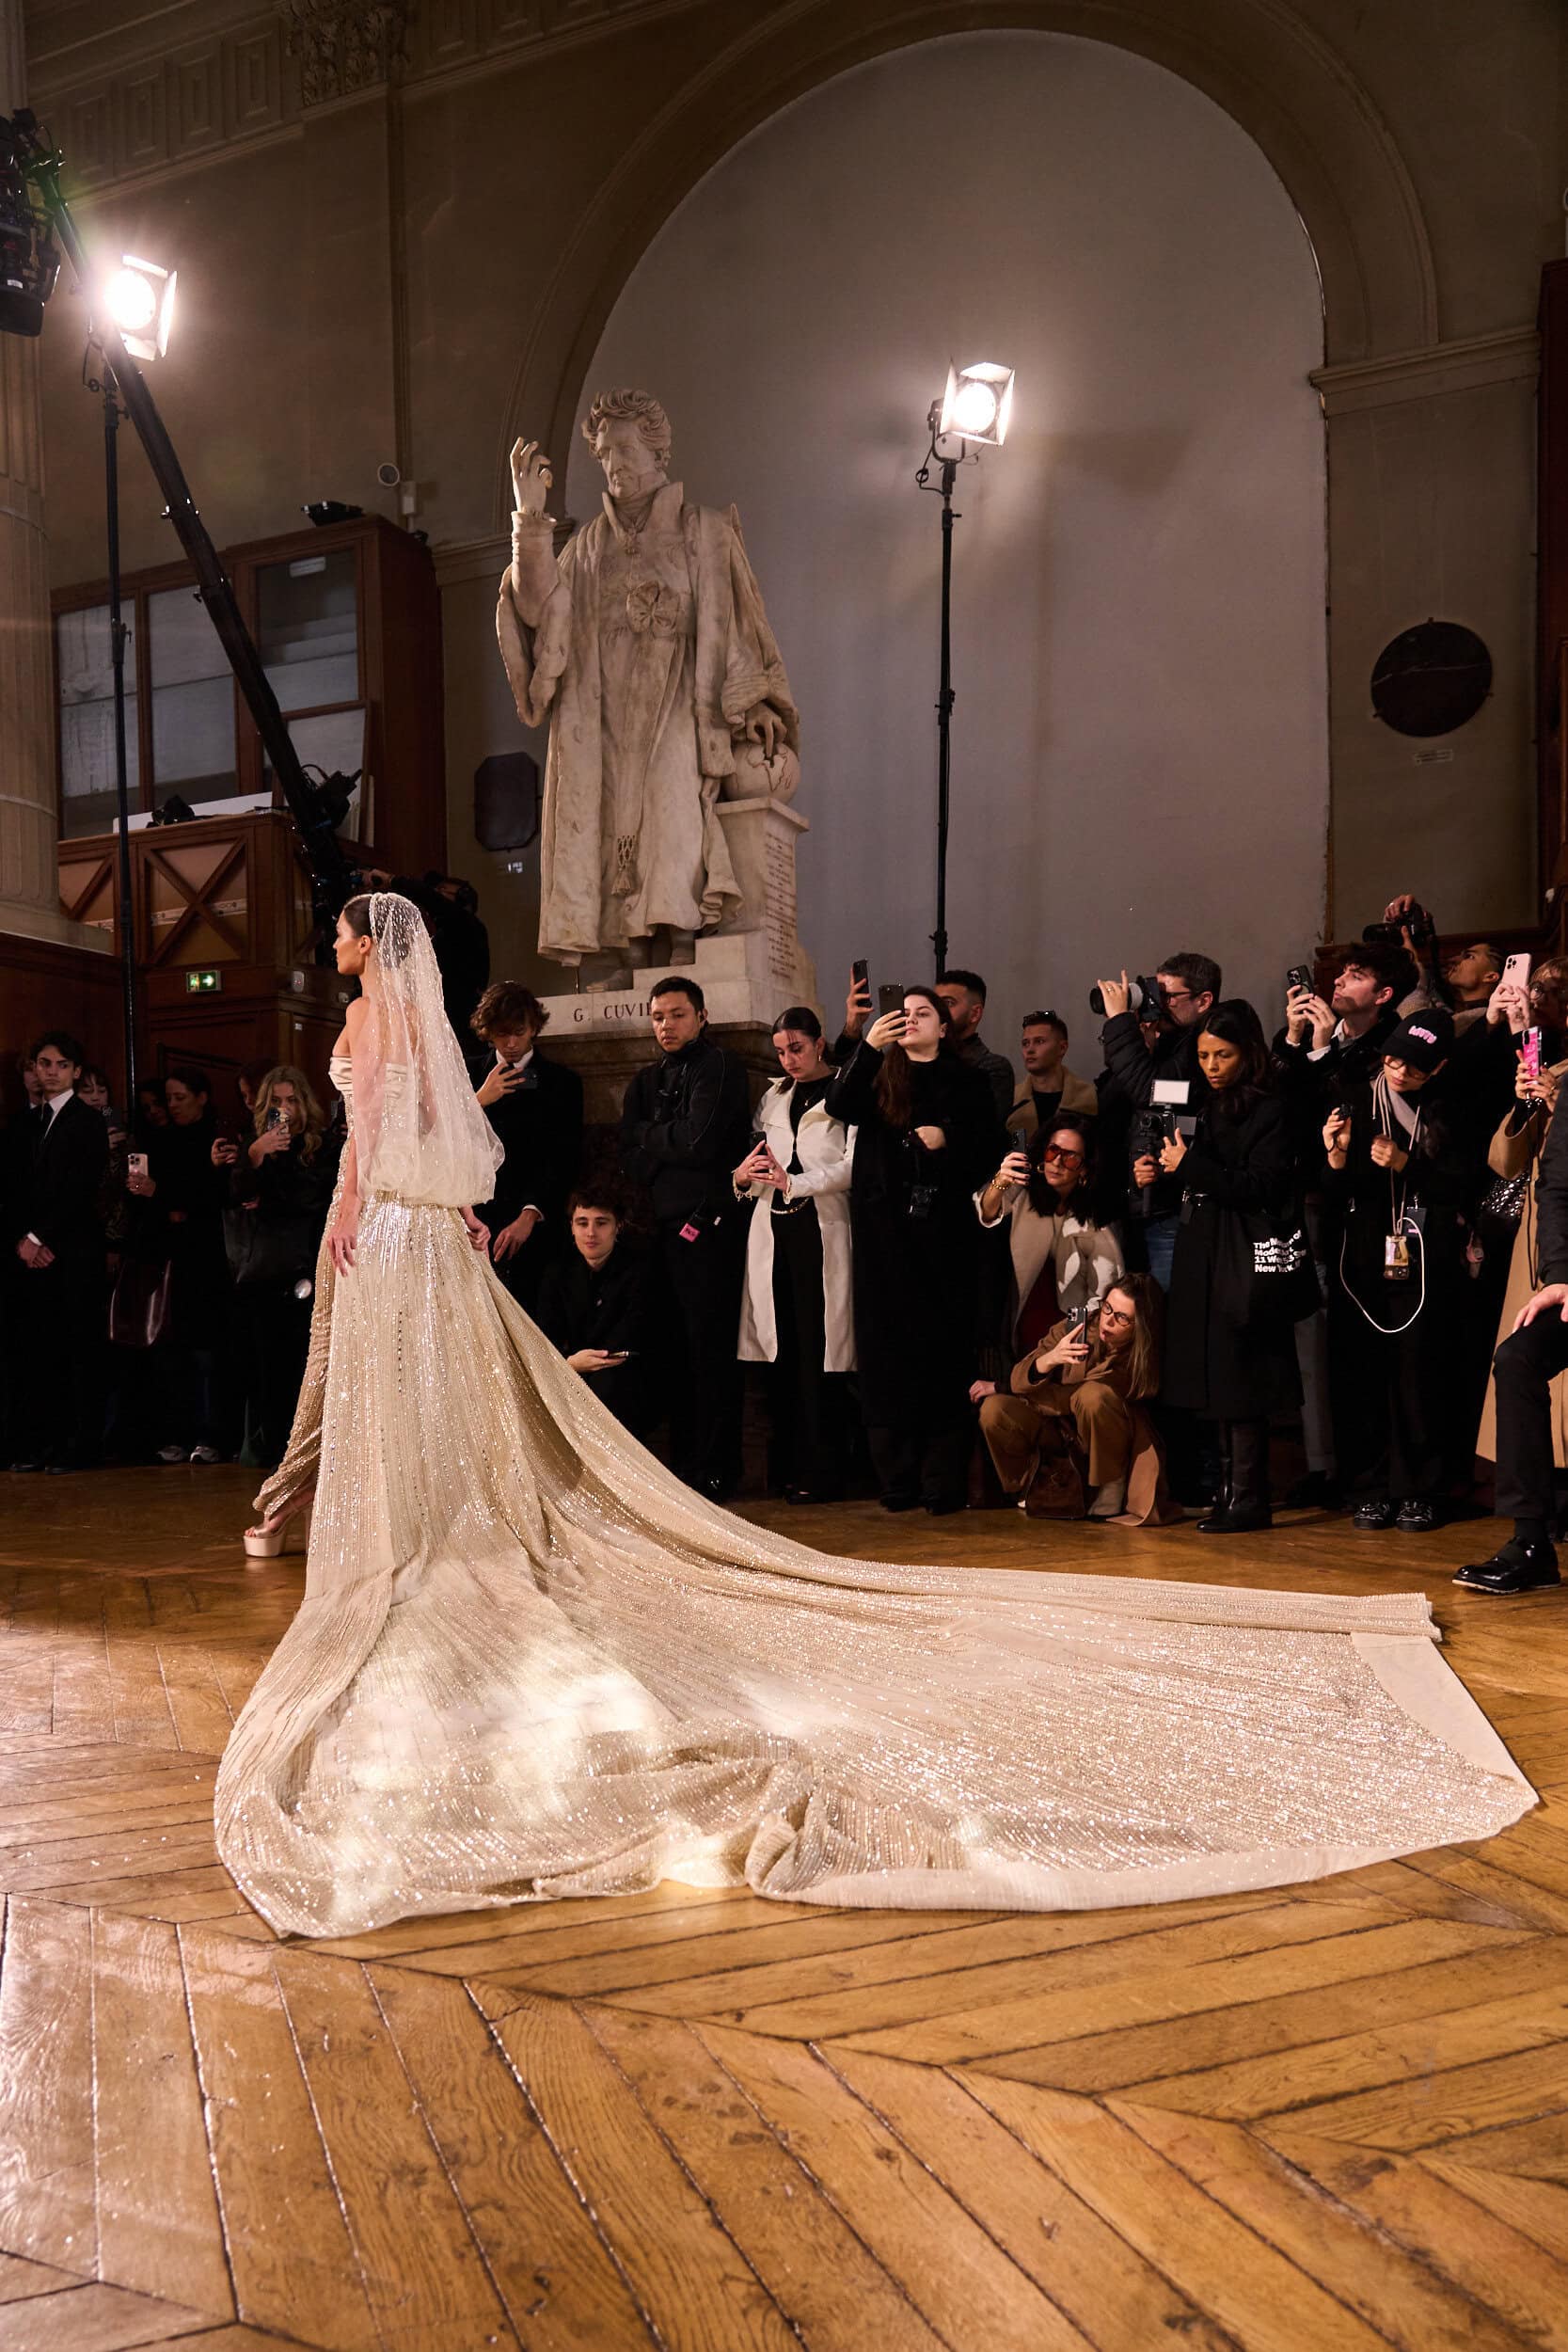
column 1229, row 1340
column 927, row 1132
column 1403, row 1169
column 1182, row 993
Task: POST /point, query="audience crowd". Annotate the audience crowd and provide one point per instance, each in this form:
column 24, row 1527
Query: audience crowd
column 1113, row 1297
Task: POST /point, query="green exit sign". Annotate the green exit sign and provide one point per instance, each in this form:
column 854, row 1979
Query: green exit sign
column 203, row 983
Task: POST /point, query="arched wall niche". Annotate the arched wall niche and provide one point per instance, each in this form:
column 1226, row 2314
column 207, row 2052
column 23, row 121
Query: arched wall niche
column 1274, row 75
column 1141, row 742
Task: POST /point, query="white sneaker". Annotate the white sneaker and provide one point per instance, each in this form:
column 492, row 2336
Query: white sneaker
column 205, row 1453
column 171, row 1453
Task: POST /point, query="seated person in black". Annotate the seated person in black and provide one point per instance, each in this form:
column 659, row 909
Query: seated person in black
column 593, row 1306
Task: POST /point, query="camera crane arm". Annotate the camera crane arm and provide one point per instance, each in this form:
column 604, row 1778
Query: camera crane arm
column 317, row 809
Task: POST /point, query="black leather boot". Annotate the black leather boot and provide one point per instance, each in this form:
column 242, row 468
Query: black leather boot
column 1245, row 1509
column 1212, row 1520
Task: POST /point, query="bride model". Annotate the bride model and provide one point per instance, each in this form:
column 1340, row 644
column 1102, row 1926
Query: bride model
column 529, row 1663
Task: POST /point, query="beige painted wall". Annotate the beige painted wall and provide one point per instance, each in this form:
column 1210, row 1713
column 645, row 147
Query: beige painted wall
column 507, row 192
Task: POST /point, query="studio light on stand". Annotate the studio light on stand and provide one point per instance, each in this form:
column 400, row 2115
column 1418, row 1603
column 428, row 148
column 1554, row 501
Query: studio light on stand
column 136, row 299
column 976, row 407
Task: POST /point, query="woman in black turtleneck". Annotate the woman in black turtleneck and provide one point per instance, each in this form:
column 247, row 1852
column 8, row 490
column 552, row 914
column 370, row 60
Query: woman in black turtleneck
column 927, row 1135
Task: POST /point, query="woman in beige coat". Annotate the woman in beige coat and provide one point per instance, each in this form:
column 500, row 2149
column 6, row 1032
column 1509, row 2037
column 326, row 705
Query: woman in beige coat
column 1515, row 1151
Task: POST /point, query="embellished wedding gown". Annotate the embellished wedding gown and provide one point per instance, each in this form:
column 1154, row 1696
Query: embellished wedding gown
column 530, row 1664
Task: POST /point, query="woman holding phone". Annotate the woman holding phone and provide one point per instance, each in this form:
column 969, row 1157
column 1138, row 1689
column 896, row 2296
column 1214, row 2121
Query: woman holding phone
column 926, row 1134
column 1062, row 1257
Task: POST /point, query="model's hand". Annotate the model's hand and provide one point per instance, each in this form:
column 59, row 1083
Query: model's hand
column 532, row 477
column 1118, row 995
column 765, row 726
column 1144, row 1172
column 478, row 1235
column 343, row 1239
column 1172, row 1152
column 1550, row 1294
column 934, row 1138
column 887, row 1029
column 511, row 1238
column 1386, row 1153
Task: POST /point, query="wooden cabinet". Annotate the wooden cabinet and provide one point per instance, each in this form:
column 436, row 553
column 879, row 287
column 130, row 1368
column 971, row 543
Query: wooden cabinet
column 225, row 942
column 348, row 624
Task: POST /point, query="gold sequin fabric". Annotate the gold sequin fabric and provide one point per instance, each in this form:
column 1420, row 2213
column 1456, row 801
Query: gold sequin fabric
column 530, row 1664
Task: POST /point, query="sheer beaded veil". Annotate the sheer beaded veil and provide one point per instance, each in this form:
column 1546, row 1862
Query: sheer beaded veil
column 422, row 1133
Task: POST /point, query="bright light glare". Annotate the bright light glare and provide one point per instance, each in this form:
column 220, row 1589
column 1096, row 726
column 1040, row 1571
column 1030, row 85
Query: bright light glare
column 139, row 297
column 974, row 409
column 133, row 301
column 978, row 403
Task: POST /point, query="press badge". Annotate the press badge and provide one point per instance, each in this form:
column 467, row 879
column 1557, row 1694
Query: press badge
column 690, row 1231
column 1396, row 1258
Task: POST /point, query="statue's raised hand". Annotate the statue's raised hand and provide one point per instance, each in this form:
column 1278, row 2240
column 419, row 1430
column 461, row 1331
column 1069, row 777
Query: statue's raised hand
column 532, row 477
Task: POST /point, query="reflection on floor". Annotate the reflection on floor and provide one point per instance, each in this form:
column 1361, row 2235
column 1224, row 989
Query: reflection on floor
column 1332, row 2117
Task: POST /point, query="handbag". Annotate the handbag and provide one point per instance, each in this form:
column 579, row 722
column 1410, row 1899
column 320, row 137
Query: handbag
column 139, row 1303
column 276, row 1249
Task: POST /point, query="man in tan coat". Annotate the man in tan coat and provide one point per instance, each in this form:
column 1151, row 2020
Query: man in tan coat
column 1048, row 1089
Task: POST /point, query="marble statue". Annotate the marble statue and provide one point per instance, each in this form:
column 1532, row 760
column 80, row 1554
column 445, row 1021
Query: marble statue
column 645, row 645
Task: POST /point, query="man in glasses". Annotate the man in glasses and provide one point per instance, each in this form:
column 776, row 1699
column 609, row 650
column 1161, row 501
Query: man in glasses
column 1189, row 985
column 1048, row 1089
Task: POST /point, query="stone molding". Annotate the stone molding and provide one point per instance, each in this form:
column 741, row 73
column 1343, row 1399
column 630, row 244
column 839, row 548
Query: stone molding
column 245, row 83
column 462, row 560
column 1511, row 356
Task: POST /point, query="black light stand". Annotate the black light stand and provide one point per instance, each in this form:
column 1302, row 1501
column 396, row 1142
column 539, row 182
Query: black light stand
column 945, row 688
column 118, row 635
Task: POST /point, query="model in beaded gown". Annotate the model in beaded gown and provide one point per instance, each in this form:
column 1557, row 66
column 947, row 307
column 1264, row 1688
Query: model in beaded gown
column 529, row 1663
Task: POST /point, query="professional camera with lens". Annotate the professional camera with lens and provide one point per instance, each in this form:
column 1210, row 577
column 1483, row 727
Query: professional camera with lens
column 1155, row 1129
column 1143, row 999
column 1418, row 923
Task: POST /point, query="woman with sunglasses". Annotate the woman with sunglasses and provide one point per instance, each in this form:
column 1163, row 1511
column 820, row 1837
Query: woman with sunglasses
column 1063, row 1257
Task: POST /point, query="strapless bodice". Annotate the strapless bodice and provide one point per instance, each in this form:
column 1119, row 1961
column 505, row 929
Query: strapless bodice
column 340, row 1071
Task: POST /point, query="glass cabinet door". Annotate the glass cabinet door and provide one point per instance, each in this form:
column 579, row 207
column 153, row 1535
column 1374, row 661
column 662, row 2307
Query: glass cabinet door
column 308, row 626
column 87, row 798
column 193, row 700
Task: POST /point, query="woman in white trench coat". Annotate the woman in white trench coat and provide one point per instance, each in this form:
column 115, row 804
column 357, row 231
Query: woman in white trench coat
column 796, row 1311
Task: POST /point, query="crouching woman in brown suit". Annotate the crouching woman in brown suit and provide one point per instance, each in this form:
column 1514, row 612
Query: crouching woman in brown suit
column 1075, row 1416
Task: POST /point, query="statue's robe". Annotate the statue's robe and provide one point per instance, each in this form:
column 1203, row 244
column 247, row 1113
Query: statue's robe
column 652, row 650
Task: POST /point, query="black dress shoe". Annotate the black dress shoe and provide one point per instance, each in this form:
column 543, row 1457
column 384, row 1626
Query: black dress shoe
column 1418, row 1515
column 1317, row 1491
column 59, row 1470
column 941, row 1506
column 1513, row 1567
column 22, row 1467
column 1375, row 1514
column 899, row 1502
column 1230, row 1519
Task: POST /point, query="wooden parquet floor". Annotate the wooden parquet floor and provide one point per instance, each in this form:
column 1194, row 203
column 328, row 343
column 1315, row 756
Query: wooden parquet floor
column 1335, row 2116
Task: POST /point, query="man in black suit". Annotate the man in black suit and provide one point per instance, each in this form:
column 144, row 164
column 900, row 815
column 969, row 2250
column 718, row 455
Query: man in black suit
column 55, row 1269
column 686, row 1125
column 595, row 1305
column 535, row 1106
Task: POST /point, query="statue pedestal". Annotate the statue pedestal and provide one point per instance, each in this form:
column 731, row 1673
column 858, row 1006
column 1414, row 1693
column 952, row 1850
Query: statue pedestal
column 748, row 970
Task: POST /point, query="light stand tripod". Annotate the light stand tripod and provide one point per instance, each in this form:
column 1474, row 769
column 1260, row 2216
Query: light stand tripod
column 946, row 697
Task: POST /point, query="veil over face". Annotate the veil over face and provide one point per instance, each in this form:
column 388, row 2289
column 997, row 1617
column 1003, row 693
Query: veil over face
column 420, row 1130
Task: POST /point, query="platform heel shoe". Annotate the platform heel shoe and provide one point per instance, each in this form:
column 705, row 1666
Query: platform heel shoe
column 271, row 1543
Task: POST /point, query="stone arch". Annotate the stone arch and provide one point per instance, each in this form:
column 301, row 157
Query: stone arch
column 1278, row 78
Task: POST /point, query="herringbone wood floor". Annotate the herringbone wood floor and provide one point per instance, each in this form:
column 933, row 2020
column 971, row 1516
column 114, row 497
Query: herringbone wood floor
column 1335, row 2116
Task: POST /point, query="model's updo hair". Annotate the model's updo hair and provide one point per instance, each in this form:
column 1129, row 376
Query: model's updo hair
column 642, row 408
